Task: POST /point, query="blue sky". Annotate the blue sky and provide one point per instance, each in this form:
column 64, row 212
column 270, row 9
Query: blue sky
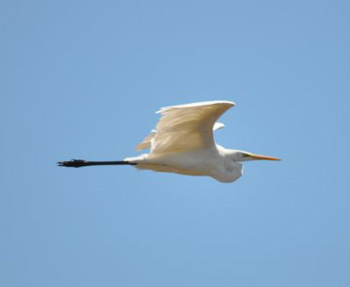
column 82, row 79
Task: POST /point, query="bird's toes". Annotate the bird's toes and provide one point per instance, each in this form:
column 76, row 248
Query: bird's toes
column 72, row 163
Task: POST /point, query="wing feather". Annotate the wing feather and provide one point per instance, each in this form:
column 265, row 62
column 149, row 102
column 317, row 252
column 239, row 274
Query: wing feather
column 186, row 127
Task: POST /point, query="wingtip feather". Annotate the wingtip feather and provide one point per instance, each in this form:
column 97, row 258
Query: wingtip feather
column 206, row 103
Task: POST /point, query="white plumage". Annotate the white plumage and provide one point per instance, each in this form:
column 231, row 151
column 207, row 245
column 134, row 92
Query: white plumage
column 183, row 142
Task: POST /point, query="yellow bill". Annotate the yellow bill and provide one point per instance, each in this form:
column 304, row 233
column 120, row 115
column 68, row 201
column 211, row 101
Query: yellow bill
column 263, row 157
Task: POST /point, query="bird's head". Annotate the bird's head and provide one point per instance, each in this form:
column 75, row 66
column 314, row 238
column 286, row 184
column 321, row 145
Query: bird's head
column 239, row 155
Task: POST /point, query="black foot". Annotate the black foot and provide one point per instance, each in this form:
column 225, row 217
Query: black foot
column 72, row 163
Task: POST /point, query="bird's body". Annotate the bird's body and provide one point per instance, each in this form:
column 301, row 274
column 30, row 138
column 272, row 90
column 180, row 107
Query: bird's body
column 183, row 143
column 213, row 162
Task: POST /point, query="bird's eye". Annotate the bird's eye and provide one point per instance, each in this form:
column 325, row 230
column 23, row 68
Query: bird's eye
column 245, row 155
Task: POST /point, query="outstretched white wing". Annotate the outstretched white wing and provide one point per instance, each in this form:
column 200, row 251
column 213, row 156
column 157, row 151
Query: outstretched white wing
column 186, row 127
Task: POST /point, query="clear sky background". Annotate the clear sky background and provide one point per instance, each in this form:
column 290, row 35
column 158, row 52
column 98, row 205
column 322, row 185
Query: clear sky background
column 82, row 79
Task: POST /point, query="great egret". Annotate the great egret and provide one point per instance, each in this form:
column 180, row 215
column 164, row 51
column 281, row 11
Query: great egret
column 183, row 143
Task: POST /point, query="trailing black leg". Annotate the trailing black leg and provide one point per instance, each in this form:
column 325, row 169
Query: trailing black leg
column 81, row 163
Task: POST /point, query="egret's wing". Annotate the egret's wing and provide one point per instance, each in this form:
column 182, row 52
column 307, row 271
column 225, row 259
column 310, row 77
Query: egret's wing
column 218, row 126
column 146, row 143
column 186, row 127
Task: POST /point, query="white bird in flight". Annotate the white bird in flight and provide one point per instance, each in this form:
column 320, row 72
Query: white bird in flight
column 183, row 143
